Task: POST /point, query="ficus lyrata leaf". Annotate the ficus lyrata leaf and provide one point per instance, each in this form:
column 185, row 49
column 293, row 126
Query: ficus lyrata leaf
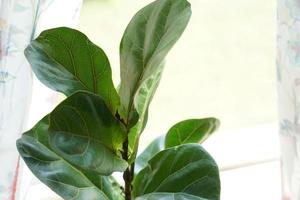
column 142, row 100
column 85, row 133
column 148, row 38
column 67, row 180
column 65, row 60
column 191, row 131
column 187, row 169
column 153, row 148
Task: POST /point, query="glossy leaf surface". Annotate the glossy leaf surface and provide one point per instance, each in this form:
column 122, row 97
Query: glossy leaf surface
column 84, row 132
column 65, row 60
column 147, row 40
column 141, row 102
column 184, row 132
column 61, row 176
column 169, row 196
column 187, row 168
column 191, row 131
column 153, row 148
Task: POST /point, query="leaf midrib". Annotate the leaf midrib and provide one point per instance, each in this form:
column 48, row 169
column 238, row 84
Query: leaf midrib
column 166, row 179
column 88, row 137
column 62, row 66
column 73, row 61
column 144, row 66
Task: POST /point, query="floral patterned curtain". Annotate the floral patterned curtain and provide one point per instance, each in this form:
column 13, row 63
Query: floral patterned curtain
column 20, row 22
column 288, row 66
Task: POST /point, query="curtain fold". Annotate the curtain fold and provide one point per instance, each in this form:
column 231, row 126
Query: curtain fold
column 20, row 22
column 288, row 71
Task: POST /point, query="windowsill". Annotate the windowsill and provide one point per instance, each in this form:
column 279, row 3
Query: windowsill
column 244, row 147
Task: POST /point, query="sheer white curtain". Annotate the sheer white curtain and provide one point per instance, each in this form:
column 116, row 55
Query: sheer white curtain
column 20, row 22
column 288, row 65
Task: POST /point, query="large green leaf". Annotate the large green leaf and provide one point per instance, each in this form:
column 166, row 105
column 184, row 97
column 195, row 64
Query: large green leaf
column 153, row 148
column 84, row 132
column 67, row 61
column 147, row 40
column 57, row 173
column 191, row 131
column 169, row 196
column 187, row 168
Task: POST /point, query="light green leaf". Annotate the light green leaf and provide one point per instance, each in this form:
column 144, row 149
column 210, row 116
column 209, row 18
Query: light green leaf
column 57, row 173
column 111, row 188
column 65, row 60
column 153, row 148
column 191, row 131
column 147, row 40
column 187, row 168
column 141, row 102
column 84, row 132
column 169, row 196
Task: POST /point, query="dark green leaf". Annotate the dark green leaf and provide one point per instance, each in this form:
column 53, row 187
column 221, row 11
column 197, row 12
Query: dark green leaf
column 191, row 131
column 61, row 176
column 187, row 168
column 84, row 132
column 153, row 148
column 67, row 61
column 169, row 196
column 147, row 40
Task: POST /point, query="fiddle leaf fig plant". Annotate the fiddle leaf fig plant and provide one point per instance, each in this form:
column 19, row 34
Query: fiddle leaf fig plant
column 95, row 131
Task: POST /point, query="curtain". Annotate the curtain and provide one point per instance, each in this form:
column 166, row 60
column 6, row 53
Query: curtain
column 288, row 67
column 20, row 22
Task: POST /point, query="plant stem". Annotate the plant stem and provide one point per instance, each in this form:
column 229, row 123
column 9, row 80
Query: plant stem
column 128, row 174
column 132, row 170
column 126, row 177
